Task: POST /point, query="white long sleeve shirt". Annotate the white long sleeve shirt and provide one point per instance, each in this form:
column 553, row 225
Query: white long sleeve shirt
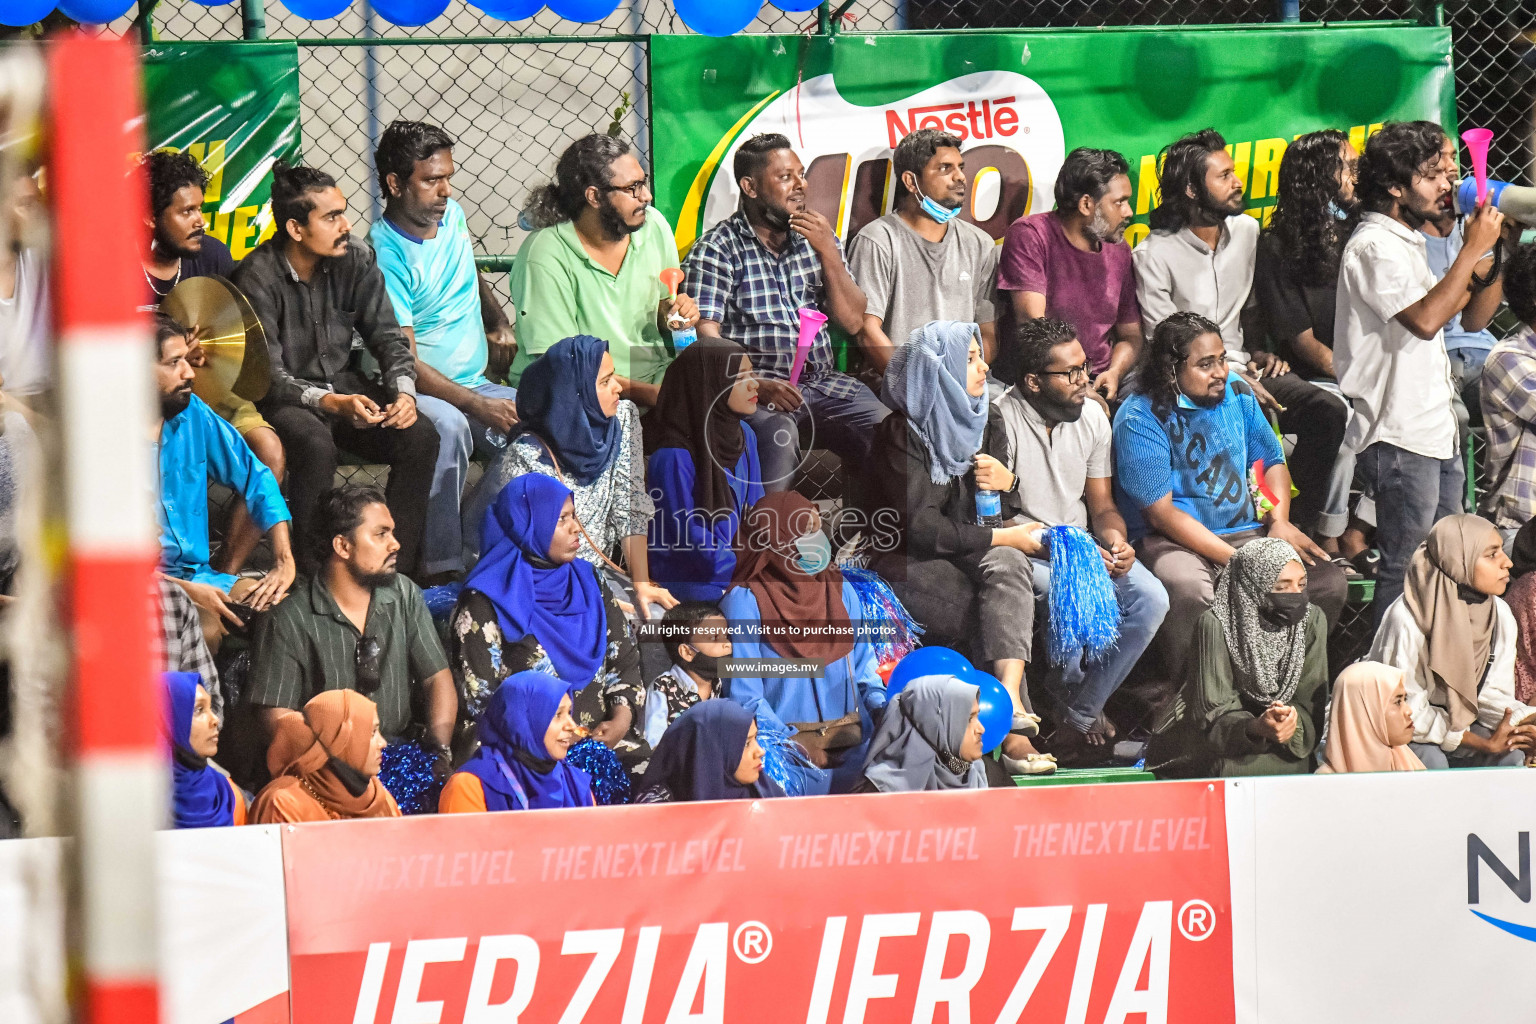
column 1401, row 644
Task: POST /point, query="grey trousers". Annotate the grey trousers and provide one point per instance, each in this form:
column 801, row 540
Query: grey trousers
column 985, row 601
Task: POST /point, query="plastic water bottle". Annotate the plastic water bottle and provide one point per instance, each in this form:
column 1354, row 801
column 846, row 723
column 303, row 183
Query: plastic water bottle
column 682, row 337
column 989, row 509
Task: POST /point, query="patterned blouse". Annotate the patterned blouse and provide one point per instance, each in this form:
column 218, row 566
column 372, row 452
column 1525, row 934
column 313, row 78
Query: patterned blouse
column 482, row 657
column 614, row 506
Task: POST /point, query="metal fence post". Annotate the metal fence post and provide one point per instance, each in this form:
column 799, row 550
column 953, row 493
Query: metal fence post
column 253, row 19
column 1288, row 10
column 824, row 18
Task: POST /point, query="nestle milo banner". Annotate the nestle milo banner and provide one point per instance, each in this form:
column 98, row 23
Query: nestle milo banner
column 1020, row 102
column 235, row 108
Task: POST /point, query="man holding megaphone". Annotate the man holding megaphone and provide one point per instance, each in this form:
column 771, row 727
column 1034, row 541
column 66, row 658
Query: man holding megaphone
column 1389, row 348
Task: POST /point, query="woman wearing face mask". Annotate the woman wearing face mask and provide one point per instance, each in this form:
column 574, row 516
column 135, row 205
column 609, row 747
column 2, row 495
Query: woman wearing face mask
column 576, row 428
column 930, row 740
column 1370, row 722
column 325, row 763
column 531, row 603
column 702, row 467
column 970, row 586
column 1257, row 690
column 710, row 753
column 525, row 733
column 202, row 797
column 787, row 600
column 1454, row 639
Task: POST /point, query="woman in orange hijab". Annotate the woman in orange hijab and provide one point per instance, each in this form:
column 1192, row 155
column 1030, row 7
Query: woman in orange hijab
column 325, row 763
column 1371, row 722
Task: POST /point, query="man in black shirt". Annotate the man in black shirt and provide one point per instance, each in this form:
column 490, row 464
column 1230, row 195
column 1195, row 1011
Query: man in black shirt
column 180, row 249
column 312, row 286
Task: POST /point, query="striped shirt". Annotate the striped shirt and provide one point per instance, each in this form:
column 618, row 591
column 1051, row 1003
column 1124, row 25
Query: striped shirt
column 756, row 298
column 1509, row 412
column 307, row 644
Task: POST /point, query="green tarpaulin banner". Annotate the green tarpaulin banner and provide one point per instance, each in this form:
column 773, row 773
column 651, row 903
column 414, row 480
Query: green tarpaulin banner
column 235, row 108
column 1020, row 101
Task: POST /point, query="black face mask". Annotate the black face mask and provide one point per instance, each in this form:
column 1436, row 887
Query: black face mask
column 704, row 665
column 354, row 781
column 1282, row 611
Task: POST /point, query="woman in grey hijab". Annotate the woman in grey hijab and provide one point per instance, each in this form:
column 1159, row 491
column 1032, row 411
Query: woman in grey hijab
column 1256, row 689
column 930, row 739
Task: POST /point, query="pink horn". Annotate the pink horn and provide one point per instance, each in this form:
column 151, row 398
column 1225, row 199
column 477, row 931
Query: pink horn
column 1478, row 140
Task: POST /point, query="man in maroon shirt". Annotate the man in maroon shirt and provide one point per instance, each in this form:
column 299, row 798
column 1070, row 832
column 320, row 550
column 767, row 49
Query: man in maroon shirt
column 1071, row 263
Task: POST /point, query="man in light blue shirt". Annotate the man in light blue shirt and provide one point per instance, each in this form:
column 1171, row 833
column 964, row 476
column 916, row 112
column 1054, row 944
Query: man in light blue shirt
column 195, row 445
column 450, row 316
column 1467, row 338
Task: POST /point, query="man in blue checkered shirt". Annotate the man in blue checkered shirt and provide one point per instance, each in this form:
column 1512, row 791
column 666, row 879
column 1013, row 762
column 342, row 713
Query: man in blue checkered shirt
column 751, row 274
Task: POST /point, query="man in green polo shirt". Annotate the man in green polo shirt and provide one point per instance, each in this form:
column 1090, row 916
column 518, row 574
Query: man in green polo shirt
column 357, row 625
column 594, row 267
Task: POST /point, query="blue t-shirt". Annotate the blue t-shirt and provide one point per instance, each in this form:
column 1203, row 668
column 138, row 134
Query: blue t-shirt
column 1202, row 456
column 1441, row 253
column 435, row 291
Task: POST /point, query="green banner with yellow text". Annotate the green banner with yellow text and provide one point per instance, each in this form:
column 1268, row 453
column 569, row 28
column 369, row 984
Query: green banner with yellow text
column 1020, row 101
column 235, row 108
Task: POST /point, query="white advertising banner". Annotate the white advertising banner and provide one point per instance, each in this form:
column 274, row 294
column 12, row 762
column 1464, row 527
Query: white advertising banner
column 1388, row 898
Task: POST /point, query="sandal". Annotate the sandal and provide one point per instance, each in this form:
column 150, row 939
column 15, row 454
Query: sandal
column 1025, row 724
column 1102, row 726
column 1033, row 764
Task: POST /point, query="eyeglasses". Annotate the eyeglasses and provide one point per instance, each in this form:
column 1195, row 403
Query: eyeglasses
column 366, row 664
column 1076, row 375
column 635, row 190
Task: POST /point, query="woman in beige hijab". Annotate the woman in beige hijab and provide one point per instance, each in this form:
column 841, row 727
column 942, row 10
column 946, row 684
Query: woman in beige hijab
column 1370, row 724
column 325, row 763
column 1454, row 639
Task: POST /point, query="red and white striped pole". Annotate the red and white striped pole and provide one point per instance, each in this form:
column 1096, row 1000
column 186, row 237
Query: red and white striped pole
column 106, row 391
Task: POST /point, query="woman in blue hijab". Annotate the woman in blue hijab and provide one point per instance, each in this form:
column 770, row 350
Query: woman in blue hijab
column 970, row 585
column 525, row 734
column 532, row 603
column 576, row 428
column 202, row 797
column 710, row 753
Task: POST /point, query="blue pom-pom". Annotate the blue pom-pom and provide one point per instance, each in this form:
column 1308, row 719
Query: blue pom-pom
column 610, row 782
column 406, row 771
column 440, row 601
column 783, row 761
column 1085, row 616
column 886, row 623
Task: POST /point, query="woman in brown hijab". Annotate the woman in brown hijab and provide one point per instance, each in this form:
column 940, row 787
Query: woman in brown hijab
column 789, row 601
column 1453, row 637
column 325, row 763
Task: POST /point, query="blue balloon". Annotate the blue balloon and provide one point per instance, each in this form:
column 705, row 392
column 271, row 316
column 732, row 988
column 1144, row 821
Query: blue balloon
column 94, row 12
column 996, row 707
column 510, row 10
column 583, row 10
column 214, row 3
column 925, row 661
column 410, row 13
column 21, row 13
column 796, row 6
column 718, row 17
column 317, row 10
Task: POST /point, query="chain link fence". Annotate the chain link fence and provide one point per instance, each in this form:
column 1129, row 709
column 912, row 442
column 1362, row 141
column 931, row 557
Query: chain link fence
column 515, row 93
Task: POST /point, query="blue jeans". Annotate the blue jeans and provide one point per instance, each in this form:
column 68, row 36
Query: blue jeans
column 1081, row 690
column 1465, row 757
column 442, row 548
column 1412, row 493
column 845, row 425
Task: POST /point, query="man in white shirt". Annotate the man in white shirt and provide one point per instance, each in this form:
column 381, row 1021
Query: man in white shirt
column 1389, row 351
column 1060, row 444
